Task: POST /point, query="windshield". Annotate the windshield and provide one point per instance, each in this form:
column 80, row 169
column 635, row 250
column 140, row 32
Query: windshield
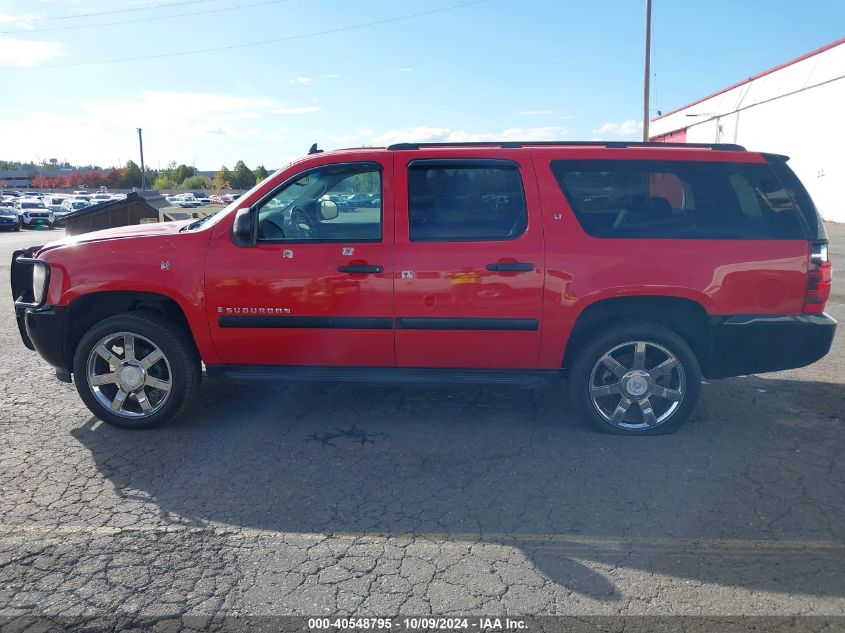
column 211, row 220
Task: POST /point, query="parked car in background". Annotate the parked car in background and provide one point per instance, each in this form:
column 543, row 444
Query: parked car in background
column 33, row 213
column 69, row 205
column 54, row 202
column 183, row 200
column 9, row 219
column 97, row 198
column 10, row 192
column 201, row 197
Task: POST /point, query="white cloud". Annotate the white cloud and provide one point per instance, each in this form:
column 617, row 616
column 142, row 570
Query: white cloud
column 343, row 138
column 26, row 53
column 444, row 135
column 302, row 81
column 418, row 134
column 177, row 126
column 625, row 128
column 24, row 22
column 302, row 110
column 175, row 110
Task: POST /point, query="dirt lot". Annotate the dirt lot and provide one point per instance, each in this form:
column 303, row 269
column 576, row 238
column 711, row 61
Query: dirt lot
column 319, row 500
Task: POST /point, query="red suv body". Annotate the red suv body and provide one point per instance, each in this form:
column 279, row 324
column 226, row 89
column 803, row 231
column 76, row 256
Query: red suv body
column 637, row 267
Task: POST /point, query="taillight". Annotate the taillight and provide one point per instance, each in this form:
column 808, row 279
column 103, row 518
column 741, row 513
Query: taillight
column 819, row 274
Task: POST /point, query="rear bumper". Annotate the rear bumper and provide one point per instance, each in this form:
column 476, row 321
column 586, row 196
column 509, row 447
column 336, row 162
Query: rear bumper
column 754, row 344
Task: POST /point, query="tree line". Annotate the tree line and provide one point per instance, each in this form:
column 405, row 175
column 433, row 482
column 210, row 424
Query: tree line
column 172, row 177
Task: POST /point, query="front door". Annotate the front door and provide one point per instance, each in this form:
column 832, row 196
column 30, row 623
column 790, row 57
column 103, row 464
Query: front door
column 469, row 261
column 317, row 288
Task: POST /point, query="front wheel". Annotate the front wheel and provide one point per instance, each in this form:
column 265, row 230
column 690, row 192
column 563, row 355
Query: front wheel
column 136, row 370
column 638, row 378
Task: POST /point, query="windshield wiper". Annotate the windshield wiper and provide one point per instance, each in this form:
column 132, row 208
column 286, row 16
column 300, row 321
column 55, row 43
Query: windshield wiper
column 195, row 224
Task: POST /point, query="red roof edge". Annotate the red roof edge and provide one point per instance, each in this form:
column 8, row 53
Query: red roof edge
column 757, row 76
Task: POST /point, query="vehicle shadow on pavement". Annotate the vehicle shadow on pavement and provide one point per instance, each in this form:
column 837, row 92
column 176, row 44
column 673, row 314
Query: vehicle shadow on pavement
column 748, row 494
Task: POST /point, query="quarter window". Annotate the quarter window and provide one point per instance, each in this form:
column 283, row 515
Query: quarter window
column 680, row 199
column 453, row 202
column 333, row 203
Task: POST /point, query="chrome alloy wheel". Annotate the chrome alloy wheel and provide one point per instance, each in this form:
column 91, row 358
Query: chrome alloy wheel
column 129, row 375
column 637, row 385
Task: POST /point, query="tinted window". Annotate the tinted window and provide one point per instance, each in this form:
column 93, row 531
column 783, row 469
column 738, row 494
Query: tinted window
column 680, row 199
column 334, row 203
column 455, row 203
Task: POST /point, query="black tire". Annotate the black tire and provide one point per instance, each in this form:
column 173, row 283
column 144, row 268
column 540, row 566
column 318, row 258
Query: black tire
column 180, row 369
column 621, row 339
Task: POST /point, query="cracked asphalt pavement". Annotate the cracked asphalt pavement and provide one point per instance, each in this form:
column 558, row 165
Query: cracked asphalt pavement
column 372, row 500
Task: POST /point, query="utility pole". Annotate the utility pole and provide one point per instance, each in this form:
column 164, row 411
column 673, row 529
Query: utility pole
column 647, row 68
column 143, row 171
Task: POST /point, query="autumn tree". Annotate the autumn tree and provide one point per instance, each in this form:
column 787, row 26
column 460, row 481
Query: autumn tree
column 182, row 172
column 196, row 182
column 260, row 173
column 242, row 176
column 222, row 179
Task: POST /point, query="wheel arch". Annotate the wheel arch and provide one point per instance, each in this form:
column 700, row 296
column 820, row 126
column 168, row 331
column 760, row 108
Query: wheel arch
column 89, row 309
column 685, row 316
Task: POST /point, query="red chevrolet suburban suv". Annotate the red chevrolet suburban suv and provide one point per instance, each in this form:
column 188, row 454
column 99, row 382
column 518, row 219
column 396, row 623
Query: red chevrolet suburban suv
column 634, row 268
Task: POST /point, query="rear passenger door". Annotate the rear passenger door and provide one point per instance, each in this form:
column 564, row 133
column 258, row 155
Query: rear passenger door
column 469, row 260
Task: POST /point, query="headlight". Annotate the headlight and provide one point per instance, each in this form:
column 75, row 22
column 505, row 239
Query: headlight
column 39, row 282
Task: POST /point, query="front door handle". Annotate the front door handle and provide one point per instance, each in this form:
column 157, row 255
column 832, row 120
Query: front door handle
column 365, row 269
column 510, row 267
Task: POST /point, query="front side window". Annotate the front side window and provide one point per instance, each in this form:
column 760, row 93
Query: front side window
column 333, row 203
column 679, row 199
column 450, row 202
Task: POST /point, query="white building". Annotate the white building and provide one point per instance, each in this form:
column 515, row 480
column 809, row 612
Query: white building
column 796, row 109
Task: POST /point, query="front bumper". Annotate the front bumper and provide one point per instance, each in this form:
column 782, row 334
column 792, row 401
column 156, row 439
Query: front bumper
column 36, row 221
column 45, row 331
column 755, row 344
column 43, row 328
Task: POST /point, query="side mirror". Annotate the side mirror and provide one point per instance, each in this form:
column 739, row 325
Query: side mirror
column 242, row 229
column 328, row 210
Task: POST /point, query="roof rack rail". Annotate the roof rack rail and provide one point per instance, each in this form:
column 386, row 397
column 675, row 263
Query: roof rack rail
column 725, row 147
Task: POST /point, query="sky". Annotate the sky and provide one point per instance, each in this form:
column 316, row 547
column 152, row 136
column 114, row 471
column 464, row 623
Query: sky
column 78, row 77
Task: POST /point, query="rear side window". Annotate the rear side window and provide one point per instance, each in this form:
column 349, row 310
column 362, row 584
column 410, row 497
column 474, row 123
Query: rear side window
column 454, row 201
column 680, row 200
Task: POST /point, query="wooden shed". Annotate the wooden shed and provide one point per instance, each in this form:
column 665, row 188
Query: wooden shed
column 133, row 210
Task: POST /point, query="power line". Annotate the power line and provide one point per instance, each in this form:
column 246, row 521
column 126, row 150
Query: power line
column 151, row 7
column 150, row 19
column 289, row 38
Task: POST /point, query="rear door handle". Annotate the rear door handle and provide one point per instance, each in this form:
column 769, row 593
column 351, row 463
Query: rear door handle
column 361, row 269
column 510, row 267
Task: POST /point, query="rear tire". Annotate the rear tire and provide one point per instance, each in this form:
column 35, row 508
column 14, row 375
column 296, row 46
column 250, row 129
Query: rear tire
column 637, row 378
column 136, row 371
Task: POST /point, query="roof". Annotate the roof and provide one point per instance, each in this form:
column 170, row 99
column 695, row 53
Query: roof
column 755, row 77
column 107, row 204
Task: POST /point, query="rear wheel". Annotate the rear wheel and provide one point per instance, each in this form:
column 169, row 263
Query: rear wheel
column 639, row 378
column 136, row 371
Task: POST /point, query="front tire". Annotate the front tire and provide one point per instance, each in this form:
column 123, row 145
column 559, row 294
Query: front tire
column 136, row 371
column 637, row 378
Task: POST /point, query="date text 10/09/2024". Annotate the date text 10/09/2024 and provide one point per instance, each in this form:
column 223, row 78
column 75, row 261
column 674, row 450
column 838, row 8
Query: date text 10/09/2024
column 423, row 623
